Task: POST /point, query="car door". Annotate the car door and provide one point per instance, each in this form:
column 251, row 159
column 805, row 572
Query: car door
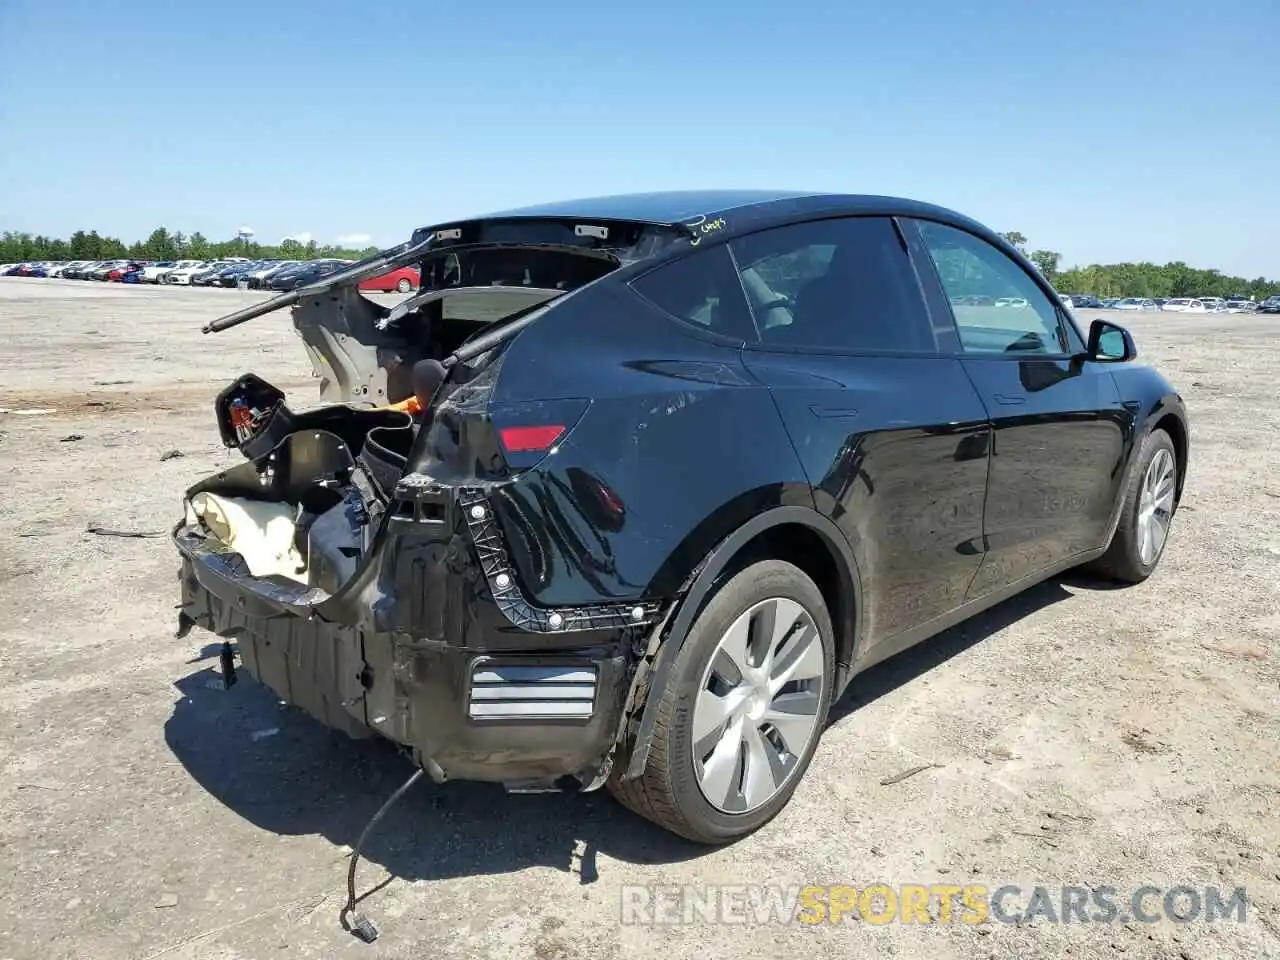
column 1057, row 452
column 889, row 429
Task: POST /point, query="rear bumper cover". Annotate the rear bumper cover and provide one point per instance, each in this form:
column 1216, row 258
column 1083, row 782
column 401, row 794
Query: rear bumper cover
column 508, row 699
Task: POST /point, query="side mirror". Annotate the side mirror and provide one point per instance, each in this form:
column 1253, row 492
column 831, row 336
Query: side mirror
column 1110, row 342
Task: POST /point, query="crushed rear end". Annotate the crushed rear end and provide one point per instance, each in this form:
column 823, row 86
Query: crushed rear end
column 356, row 556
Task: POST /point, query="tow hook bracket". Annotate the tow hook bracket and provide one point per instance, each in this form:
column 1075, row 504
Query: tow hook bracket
column 227, row 659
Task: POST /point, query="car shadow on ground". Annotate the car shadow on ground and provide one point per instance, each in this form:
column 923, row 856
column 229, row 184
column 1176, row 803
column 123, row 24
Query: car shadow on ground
column 284, row 772
column 885, row 677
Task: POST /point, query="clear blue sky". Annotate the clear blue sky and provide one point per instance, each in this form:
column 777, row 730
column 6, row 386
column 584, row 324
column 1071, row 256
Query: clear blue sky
column 1105, row 129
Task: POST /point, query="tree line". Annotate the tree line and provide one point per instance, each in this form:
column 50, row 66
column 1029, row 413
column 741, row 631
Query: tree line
column 1102, row 280
column 161, row 245
column 1141, row 279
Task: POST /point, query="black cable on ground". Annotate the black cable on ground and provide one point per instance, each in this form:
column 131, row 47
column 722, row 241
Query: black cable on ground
column 361, row 926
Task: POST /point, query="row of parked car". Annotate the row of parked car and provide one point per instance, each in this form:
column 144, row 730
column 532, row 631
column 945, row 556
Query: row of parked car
column 1240, row 304
column 238, row 272
column 291, row 274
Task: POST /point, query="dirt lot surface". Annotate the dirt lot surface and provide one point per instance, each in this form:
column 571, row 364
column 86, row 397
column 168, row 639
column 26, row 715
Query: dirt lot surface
column 1082, row 735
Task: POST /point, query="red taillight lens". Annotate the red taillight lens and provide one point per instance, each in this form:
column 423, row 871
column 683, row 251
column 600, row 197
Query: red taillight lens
column 529, row 439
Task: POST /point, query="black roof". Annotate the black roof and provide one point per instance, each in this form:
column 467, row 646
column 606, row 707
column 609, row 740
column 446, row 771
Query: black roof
column 739, row 207
column 673, row 206
column 724, row 213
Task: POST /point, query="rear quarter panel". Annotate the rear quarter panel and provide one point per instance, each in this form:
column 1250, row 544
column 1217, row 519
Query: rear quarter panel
column 678, row 448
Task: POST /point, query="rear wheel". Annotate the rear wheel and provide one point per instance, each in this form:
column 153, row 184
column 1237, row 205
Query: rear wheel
column 1149, row 505
column 741, row 713
column 404, row 286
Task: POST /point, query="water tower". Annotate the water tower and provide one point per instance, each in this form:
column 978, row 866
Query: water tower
column 244, row 235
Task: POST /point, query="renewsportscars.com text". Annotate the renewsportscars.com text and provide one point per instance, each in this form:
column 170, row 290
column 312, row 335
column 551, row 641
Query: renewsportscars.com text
column 881, row 903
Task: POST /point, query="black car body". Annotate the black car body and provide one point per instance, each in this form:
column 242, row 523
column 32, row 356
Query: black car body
column 208, row 275
column 1086, row 301
column 261, row 279
column 232, row 274
column 299, row 276
column 637, row 411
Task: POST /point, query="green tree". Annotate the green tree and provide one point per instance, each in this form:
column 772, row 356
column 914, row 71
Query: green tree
column 1046, row 262
column 1016, row 239
column 80, row 246
column 159, row 246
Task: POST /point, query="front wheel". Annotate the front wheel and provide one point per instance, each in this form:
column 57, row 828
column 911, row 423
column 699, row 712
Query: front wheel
column 742, row 710
column 1149, row 504
column 404, row 286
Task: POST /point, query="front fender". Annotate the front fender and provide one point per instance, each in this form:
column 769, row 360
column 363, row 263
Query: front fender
column 1154, row 400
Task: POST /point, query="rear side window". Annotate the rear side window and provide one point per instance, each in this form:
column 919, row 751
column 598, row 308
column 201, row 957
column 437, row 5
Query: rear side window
column 844, row 285
column 701, row 289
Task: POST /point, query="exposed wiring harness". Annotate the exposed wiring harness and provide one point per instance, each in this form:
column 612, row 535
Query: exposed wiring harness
column 359, row 925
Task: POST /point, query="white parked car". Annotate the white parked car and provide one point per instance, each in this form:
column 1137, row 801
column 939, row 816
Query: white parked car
column 1012, row 302
column 182, row 275
column 155, row 272
column 1184, row 305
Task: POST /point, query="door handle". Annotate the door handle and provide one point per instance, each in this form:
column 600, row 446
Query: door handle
column 1009, row 398
column 818, row 410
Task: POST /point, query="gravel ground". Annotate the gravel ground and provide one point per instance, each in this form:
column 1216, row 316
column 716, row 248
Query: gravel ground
column 1081, row 735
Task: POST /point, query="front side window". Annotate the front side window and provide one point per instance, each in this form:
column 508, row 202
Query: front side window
column 843, row 284
column 997, row 306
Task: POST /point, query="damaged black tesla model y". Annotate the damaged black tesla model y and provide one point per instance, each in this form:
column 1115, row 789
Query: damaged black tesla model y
column 633, row 486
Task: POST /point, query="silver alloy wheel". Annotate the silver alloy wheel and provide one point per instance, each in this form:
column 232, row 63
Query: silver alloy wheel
column 1155, row 507
column 757, row 705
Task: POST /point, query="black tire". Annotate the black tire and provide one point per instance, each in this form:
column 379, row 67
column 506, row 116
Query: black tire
column 667, row 792
column 1123, row 561
column 404, row 286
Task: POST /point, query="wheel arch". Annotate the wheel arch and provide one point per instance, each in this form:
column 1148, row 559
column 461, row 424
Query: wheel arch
column 798, row 534
column 1172, row 423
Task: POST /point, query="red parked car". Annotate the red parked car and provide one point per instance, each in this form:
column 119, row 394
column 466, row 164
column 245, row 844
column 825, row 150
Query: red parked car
column 116, row 274
column 402, row 280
